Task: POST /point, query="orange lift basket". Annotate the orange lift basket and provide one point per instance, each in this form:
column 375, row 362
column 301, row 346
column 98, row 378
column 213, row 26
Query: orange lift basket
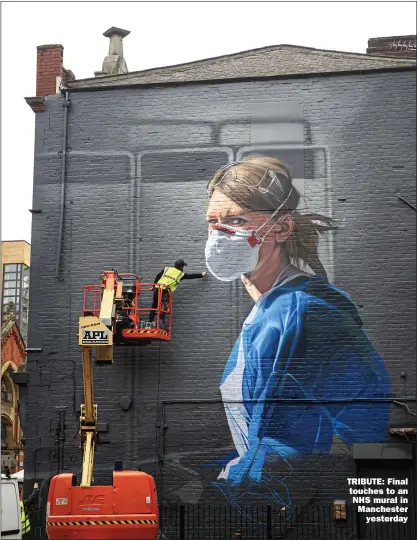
column 130, row 324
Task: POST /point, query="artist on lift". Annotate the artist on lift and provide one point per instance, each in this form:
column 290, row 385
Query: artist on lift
column 170, row 277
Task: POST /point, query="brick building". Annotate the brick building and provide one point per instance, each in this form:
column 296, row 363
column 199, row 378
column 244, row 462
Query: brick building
column 14, row 284
column 138, row 150
column 13, row 356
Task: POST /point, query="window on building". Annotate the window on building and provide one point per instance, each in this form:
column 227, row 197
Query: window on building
column 6, row 391
column 24, row 301
column 6, row 433
column 16, row 280
column 4, row 427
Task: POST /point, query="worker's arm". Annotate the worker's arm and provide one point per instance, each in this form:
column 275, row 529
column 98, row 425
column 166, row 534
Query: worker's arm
column 194, row 276
column 158, row 277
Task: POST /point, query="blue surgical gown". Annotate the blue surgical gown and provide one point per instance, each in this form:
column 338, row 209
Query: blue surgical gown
column 304, row 371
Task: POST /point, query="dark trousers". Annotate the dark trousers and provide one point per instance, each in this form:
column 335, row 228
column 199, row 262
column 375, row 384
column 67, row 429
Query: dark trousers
column 155, row 304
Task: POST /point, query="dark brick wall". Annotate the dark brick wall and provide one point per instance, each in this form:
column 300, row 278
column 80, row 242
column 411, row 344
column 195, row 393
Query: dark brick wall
column 131, row 206
column 396, row 46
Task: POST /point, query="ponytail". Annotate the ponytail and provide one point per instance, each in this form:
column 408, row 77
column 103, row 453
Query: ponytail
column 302, row 246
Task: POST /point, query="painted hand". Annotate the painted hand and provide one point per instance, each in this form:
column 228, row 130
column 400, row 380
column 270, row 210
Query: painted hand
column 251, row 288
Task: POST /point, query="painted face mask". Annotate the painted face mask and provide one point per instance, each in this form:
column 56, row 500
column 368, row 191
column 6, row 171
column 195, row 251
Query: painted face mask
column 231, row 252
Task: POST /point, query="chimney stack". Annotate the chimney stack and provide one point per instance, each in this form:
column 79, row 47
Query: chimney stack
column 114, row 63
column 394, row 46
column 50, row 74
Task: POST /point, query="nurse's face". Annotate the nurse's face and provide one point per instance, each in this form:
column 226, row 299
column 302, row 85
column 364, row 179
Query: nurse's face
column 223, row 211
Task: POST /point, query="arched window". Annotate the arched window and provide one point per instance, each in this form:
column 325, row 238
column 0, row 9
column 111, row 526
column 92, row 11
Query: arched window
column 3, row 434
column 6, row 433
column 6, row 390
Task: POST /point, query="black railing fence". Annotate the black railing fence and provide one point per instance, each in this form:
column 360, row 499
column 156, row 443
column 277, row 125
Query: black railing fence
column 263, row 522
column 186, row 522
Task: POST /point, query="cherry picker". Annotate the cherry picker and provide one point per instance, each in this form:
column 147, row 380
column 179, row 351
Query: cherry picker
column 127, row 509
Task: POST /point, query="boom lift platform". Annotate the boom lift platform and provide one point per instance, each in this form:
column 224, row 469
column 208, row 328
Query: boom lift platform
column 128, row 509
column 116, row 302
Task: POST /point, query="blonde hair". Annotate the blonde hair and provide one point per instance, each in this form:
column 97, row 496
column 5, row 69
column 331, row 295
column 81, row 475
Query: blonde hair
column 262, row 184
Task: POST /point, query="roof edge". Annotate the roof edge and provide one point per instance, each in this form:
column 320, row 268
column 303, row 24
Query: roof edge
column 238, row 79
column 3, row 241
column 345, row 52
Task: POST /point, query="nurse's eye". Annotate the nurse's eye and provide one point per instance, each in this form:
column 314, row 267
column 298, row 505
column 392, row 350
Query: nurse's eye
column 231, row 221
column 236, row 222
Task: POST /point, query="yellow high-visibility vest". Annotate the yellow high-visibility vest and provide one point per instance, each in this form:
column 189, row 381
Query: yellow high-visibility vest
column 171, row 277
column 25, row 520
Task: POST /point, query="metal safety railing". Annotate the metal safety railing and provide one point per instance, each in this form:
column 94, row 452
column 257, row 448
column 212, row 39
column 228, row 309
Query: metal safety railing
column 134, row 309
column 163, row 309
column 92, row 299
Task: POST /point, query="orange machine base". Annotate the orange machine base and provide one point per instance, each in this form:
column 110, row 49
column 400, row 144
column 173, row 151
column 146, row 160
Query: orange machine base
column 125, row 510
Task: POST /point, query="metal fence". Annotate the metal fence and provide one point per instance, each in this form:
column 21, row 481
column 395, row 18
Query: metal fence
column 185, row 522
column 214, row 522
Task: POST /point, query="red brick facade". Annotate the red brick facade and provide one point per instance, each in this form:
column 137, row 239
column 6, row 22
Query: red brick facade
column 12, row 357
column 50, row 73
column 12, row 347
column 49, row 67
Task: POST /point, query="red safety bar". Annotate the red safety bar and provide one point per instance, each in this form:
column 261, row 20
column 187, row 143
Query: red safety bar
column 92, row 304
column 138, row 314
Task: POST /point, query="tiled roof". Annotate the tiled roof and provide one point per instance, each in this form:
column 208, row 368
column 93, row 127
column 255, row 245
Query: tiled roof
column 278, row 60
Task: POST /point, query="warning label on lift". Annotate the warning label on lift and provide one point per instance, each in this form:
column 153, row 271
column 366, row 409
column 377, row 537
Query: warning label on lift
column 95, row 337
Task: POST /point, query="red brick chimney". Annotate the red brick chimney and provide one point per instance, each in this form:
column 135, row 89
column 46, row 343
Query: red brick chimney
column 395, row 46
column 50, row 74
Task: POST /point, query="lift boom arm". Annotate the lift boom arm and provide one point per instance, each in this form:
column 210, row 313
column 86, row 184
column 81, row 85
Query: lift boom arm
column 95, row 333
column 88, row 419
column 98, row 327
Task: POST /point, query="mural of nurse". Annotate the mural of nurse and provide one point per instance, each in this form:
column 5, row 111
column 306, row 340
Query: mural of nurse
column 303, row 373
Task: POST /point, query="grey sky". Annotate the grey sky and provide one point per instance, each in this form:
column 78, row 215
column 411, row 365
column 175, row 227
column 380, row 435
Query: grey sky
column 161, row 34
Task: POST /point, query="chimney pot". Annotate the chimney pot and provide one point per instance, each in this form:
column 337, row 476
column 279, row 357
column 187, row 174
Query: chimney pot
column 114, row 63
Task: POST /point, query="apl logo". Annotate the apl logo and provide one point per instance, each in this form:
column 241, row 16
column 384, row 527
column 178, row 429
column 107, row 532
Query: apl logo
column 91, row 499
column 95, row 336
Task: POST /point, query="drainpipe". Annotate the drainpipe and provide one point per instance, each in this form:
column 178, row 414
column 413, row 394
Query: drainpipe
column 66, row 104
